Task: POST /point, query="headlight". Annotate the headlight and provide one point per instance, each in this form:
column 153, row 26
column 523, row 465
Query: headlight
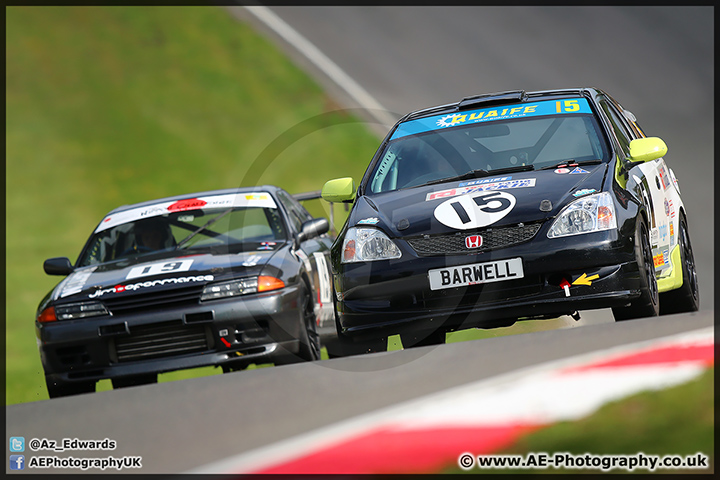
column 243, row 286
column 367, row 245
column 592, row 213
column 229, row 289
column 73, row 311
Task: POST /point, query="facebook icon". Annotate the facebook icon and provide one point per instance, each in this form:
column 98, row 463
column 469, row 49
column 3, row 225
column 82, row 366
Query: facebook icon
column 17, row 462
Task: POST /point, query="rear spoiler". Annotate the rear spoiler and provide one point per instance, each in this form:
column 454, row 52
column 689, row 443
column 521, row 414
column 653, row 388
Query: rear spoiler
column 314, row 195
column 301, row 197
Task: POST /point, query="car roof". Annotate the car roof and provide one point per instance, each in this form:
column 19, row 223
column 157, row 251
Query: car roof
column 499, row 98
column 272, row 189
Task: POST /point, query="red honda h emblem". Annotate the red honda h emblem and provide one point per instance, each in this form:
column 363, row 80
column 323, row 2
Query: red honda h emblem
column 473, row 241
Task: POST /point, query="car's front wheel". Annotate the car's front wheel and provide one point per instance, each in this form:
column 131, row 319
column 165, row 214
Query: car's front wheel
column 124, row 382
column 310, row 342
column 648, row 303
column 687, row 297
column 345, row 347
column 309, row 339
column 423, row 339
column 58, row 389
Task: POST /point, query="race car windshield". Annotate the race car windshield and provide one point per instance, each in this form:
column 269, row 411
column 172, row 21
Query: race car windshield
column 501, row 146
column 217, row 230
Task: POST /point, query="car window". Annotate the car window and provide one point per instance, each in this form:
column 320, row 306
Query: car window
column 541, row 141
column 297, row 213
column 621, row 131
column 230, row 230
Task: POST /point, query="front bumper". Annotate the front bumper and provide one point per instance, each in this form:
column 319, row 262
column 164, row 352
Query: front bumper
column 258, row 328
column 389, row 297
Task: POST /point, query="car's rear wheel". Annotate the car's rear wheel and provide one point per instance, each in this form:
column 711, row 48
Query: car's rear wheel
column 687, row 297
column 648, row 303
column 124, row 382
column 422, row 339
column 57, row 389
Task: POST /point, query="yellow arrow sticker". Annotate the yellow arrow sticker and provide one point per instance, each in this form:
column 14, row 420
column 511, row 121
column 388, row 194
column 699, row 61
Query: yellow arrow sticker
column 585, row 280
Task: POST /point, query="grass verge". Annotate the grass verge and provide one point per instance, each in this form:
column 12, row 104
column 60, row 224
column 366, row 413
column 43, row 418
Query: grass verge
column 107, row 106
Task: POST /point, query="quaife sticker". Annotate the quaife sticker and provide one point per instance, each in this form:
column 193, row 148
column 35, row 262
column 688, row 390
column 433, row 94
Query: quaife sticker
column 475, row 210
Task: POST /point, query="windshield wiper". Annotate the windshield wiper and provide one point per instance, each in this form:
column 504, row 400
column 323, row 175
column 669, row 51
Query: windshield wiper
column 187, row 239
column 572, row 163
column 481, row 173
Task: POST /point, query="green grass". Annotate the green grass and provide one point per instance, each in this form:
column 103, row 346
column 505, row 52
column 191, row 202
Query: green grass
column 107, row 106
column 675, row 421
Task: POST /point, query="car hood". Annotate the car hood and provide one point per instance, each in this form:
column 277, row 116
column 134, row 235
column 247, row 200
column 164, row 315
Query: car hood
column 157, row 273
column 517, row 198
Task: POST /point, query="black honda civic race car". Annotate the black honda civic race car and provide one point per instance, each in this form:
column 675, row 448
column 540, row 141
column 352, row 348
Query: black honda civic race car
column 504, row 207
column 224, row 278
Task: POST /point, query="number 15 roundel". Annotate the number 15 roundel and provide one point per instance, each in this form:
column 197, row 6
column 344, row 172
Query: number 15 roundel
column 474, row 210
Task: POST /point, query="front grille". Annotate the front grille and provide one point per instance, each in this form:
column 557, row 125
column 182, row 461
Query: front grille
column 159, row 340
column 138, row 302
column 454, row 243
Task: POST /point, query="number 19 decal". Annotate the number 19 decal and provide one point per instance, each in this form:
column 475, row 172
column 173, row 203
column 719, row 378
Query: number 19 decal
column 160, row 268
column 475, row 210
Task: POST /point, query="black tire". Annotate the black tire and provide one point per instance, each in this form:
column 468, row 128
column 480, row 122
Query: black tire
column 309, row 339
column 687, row 297
column 345, row 347
column 234, row 367
column 56, row 389
column 124, row 382
column 648, row 303
column 410, row 340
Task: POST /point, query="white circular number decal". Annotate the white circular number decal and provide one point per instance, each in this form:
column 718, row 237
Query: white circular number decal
column 474, row 210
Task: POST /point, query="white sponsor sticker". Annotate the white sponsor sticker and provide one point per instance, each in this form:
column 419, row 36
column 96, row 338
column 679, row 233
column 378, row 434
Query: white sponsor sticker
column 76, row 282
column 154, row 283
column 252, row 260
column 454, row 192
column 159, row 269
column 475, row 210
column 326, row 313
column 477, row 273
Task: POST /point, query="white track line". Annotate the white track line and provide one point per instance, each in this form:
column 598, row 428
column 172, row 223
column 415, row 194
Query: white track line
column 321, row 61
column 486, row 389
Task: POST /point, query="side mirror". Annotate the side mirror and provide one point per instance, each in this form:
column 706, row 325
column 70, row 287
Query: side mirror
column 646, row 149
column 58, row 266
column 339, row 190
column 313, row 228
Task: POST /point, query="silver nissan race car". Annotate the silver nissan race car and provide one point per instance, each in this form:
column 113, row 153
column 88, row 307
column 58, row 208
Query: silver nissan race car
column 224, row 278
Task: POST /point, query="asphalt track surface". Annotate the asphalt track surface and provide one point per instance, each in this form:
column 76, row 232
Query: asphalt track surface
column 658, row 62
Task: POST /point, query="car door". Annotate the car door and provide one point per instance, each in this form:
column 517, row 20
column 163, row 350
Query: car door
column 315, row 255
column 655, row 183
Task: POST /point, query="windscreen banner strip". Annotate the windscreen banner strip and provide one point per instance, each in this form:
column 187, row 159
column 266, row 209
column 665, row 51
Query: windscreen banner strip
column 505, row 112
column 249, row 199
